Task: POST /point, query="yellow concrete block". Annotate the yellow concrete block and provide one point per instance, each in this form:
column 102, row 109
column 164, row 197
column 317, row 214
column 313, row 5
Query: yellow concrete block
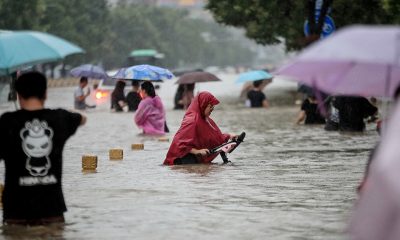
column 163, row 139
column 137, row 146
column 116, row 154
column 89, row 162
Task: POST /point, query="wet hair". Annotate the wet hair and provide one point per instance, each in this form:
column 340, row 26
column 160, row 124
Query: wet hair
column 190, row 86
column 148, row 88
column 135, row 83
column 180, row 88
column 31, row 85
column 83, row 79
column 257, row 83
column 120, row 85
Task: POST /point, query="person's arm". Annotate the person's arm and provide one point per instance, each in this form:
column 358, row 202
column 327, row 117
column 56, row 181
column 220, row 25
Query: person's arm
column 202, row 152
column 233, row 136
column 121, row 100
column 302, row 114
column 245, row 89
column 121, row 103
column 73, row 120
column 265, row 103
column 301, row 117
column 83, row 96
column 83, row 120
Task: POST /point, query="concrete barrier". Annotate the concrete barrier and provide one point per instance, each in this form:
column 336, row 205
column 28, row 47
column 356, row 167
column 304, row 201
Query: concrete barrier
column 137, row 146
column 89, row 163
column 116, row 154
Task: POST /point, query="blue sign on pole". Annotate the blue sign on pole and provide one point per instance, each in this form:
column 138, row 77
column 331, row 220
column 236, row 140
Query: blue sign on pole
column 327, row 28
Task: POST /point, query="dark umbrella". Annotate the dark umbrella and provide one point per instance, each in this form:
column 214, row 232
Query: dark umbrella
column 193, row 77
column 89, row 71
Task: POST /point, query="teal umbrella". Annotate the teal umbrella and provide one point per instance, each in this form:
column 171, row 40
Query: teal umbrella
column 253, row 76
column 24, row 48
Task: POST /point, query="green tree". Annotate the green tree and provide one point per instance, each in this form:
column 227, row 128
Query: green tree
column 171, row 32
column 21, row 15
column 271, row 22
column 82, row 22
column 108, row 34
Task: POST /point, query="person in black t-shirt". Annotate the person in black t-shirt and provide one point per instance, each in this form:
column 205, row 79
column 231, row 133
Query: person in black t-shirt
column 178, row 97
column 118, row 100
column 309, row 112
column 352, row 111
column 31, row 144
column 256, row 97
column 133, row 98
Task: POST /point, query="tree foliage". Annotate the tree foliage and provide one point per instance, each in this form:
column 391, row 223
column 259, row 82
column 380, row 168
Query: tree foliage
column 173, row 33
column 271, row 22
column 17, row 15
column 108, row 34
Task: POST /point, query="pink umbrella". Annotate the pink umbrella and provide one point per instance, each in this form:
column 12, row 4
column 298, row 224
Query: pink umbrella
column 357, row 60
column 377, row 212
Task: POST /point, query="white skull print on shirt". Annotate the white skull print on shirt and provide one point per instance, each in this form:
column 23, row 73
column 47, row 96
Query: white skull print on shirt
column 37, row 143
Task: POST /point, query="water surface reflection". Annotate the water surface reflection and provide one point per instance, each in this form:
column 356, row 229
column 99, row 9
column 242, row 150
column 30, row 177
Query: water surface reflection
column 284, row 182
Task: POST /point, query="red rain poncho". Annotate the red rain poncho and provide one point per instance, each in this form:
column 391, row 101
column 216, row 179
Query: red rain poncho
column 196, row 131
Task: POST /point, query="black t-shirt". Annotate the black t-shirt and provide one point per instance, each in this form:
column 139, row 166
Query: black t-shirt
column 256, row 98
column 133, row 99
column 117, row 96
column 31, row 145
column 313, row 116
column 352, row 111
column 177, row 98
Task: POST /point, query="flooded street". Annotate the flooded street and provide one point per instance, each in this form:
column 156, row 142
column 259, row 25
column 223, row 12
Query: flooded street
column 285, row 181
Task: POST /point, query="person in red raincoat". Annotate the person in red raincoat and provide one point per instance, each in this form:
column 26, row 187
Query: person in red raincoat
column 198, row 133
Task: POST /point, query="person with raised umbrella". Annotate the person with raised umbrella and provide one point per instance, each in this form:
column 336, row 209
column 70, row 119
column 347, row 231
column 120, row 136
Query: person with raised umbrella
column 150, row 115
column 133, row 97
column 256, row 97
column 188, row 81
column 118, row 100
column 255, row 81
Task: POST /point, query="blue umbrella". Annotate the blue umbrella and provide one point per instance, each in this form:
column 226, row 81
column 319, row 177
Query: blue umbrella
column 89, row 71
column 144, row 72
column 253, row 76
column 24, row 48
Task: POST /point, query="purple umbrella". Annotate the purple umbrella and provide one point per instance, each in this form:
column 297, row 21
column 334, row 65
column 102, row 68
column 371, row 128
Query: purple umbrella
column 89, row 71
column 363, row 60
column 377, row 211
column 357, row 60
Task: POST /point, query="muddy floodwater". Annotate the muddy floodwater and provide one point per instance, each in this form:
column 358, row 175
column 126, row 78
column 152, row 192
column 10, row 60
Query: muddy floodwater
column 285, row 181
